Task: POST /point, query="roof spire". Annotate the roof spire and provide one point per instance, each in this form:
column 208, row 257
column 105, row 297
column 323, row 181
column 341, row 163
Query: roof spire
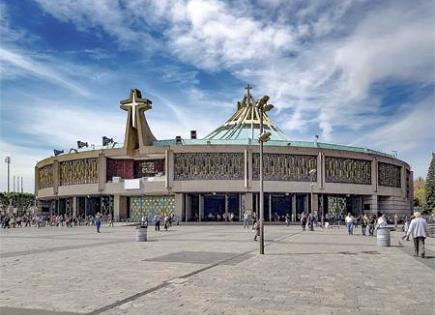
column 248, row 89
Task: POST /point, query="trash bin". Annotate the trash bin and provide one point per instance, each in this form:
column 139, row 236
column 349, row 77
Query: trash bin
column 141, row 233
column 383, row 237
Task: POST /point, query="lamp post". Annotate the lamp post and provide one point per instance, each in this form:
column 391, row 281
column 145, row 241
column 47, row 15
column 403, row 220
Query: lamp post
column 312, row 173
column 8, row 162
column 264, row 137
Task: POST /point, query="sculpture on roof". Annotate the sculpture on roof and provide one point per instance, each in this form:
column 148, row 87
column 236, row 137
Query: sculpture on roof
column 137, row 131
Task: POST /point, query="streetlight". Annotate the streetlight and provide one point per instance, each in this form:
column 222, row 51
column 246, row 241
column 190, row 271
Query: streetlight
column 263, row 107
column 8, row 162
column 312, row 173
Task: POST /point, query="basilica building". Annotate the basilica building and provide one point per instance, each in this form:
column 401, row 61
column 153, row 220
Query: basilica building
column 217, row 176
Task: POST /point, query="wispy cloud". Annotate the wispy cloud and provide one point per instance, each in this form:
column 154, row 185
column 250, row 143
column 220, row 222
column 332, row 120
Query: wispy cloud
column 43, row 70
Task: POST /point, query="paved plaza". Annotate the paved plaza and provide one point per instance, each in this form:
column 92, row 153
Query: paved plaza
column 211, row 269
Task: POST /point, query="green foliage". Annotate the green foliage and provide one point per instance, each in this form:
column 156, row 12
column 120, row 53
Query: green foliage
column 419, row 192
column 430, row 184
column 17, row 200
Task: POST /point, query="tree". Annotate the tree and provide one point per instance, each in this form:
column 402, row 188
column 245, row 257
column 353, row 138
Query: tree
column 430, row 184
column 419, row 192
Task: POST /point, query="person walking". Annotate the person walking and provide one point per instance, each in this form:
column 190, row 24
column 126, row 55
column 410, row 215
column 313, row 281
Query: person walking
column 111, row 219
column 98, row 222
column 157, row 222
column 166, row 222
column 303, row 221
column 418, row 229
column 257, row 229
column 245, row 220
column 406, row 227
column 349, row 223
column 364, row 223
column 311, row 222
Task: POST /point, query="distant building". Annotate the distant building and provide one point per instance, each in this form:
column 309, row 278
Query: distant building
column 207, row 179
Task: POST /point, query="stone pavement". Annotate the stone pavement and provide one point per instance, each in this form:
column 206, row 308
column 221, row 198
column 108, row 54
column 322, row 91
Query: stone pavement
column 210, row 270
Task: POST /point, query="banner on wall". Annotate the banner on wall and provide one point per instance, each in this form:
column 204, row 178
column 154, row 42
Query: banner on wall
column 132, row 184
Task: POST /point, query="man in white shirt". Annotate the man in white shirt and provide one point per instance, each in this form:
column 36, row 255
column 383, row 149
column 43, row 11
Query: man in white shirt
column 349, row 223
column 418, row 230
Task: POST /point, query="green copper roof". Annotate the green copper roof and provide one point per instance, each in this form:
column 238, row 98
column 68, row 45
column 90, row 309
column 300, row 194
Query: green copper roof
column 278, row 143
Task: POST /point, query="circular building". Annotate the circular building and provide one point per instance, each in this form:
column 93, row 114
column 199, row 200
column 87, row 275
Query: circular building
column 217, row 177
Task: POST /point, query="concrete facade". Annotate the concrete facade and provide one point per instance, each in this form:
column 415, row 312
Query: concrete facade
column 373, row 196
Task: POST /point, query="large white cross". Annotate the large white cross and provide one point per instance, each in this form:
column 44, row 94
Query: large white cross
column 134, row 104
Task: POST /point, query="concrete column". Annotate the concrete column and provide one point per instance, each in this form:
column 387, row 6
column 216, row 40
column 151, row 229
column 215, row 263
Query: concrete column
column 257, row 207
column 315, row 202
column 74, row 206
column 248, row 204
column 119, row 207
column 319, row 171
column 403, row 181
column 226, row 205
column 187, row 207
column 179, row 204
column 374, row 174
column 270, row 207
column 374, row 204
column 294, row 207
column 201, row 206
column 166, row 169
column 306, row 205
column 249, row 168
column 170, row 168
column 241, row 204
column 246, row 168
column 56, row 177
column 102, row 170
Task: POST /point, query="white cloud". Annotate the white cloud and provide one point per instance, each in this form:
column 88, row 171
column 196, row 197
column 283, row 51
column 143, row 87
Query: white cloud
column 405, row 133
column 40, row 69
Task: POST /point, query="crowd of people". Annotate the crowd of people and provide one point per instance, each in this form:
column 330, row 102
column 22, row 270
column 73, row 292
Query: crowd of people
column 168, row 218
column 40, row 220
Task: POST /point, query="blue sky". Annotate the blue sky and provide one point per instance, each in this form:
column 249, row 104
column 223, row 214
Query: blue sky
column 355, row 72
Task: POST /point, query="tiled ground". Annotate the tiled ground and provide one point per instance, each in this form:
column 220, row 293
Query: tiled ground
column 210, row 270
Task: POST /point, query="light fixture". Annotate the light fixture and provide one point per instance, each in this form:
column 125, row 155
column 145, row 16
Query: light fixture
column 262, row 101
column 107, row 141
column 264, row 137
column 81, row 144
column 267, row 107
column 57, row 152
